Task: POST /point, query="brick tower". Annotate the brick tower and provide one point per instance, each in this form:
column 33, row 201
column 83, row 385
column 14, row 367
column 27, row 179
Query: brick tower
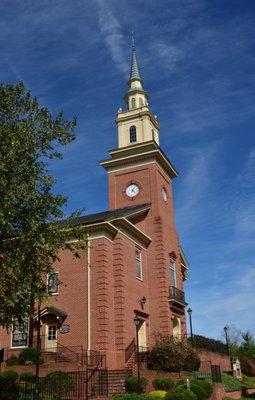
column 140, row 172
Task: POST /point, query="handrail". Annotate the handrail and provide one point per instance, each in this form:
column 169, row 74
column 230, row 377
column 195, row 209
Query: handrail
column 130, row 349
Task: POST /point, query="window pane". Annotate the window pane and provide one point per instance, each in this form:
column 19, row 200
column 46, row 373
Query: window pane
column 53, row 282
column 132, row 133
column 138, row 263
column 20, row 333
column 172, row 272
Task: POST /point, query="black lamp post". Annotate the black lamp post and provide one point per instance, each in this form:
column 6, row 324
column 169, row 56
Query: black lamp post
column 227, row 342
column 37, row 366
column 137, row 323
column 189, row 311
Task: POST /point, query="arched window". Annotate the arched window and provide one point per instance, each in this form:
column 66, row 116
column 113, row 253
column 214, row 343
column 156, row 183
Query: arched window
column 140, row 102
column 153, row 134
column 132, row 133
column 133, row 105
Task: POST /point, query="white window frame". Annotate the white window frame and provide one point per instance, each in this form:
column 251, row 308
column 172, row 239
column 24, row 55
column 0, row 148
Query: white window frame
column 27, row 333
column 172, row 269
column 138, row 264
column 48, row 277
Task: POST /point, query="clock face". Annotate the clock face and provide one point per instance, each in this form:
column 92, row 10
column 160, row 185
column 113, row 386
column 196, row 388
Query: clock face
column 164, row 194
column 132, row 190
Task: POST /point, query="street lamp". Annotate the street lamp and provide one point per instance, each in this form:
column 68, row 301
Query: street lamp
column 137, row 323
column 189, row 311
column 38, row 342
column 227, row 342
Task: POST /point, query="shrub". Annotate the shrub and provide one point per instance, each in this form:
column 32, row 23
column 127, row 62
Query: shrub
column 28, row 356
column 203, row 342
column 27, row 377
column 8, row 386
column 181, row 382
column 163, row 383
column 180, row 394
column 199, row 389
column 61, row 382
column 171, row 354
column 208, row 387
column 130, row 396
column 192, row 361
column 131, row 384
column 157, row 395
column 9, row 376
column 13, row 360
column 247, row 365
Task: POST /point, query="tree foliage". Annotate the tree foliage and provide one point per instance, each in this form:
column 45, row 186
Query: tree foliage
column 31, row 231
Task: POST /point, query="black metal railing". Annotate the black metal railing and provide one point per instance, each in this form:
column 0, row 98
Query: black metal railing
column 177, row 295
column 130, row 349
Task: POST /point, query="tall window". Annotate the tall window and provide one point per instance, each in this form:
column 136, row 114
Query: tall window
column 53, row 283
column 132, row 133
column 138, row 264
column 153, row 134
column 140, row 102
column 133, row 105
column 172, row 271
column 20, row 333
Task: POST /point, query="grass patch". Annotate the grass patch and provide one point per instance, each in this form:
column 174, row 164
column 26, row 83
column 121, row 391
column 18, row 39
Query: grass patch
column 231, row 384
column 249, row 381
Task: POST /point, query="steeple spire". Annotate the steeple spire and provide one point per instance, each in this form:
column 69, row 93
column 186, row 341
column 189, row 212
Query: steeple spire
column 134, row 72
column 136, row 96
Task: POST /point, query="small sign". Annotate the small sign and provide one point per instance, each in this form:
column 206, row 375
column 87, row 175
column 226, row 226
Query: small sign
column 65, row 328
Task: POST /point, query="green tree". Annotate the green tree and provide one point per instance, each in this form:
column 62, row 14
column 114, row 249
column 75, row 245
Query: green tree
column 31, row 231
column 247, row 347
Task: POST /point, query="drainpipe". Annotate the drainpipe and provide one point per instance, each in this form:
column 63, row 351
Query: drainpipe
column 88, row 299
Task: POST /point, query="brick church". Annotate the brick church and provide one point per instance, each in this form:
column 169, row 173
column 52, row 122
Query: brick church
column 134, row 266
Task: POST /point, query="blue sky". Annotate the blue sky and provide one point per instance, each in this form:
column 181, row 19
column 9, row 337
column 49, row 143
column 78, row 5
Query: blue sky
column 197, row 61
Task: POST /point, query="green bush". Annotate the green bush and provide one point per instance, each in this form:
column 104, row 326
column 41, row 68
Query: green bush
column 28, row 356
column 13, row 360
column 192, row 360
column 181, row 382
column 60, row 382
column 199, row 389
column 180, row 394
column 27, row 377
column 171, row 354
column 214, row 345
column 247, row 365
column 208, row 387
column 8, row 386
column 163, row 383
column 130, row 396
column 131, row 384
column 157, row 395
column 8, row 376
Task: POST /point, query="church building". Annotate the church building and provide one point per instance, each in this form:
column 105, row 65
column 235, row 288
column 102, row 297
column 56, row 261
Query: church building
column 134, row 266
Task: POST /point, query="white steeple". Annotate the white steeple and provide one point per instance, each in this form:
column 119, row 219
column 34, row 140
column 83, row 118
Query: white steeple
column 137, row 124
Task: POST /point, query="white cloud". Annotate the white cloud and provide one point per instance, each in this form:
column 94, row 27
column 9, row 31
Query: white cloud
column 111, row 30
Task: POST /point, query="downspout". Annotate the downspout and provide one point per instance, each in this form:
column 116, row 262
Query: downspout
column 88, row 296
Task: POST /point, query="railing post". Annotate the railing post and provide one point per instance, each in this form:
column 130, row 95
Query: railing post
column 87, row 392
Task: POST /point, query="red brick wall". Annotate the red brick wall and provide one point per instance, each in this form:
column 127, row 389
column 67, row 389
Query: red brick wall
column 216, row 358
